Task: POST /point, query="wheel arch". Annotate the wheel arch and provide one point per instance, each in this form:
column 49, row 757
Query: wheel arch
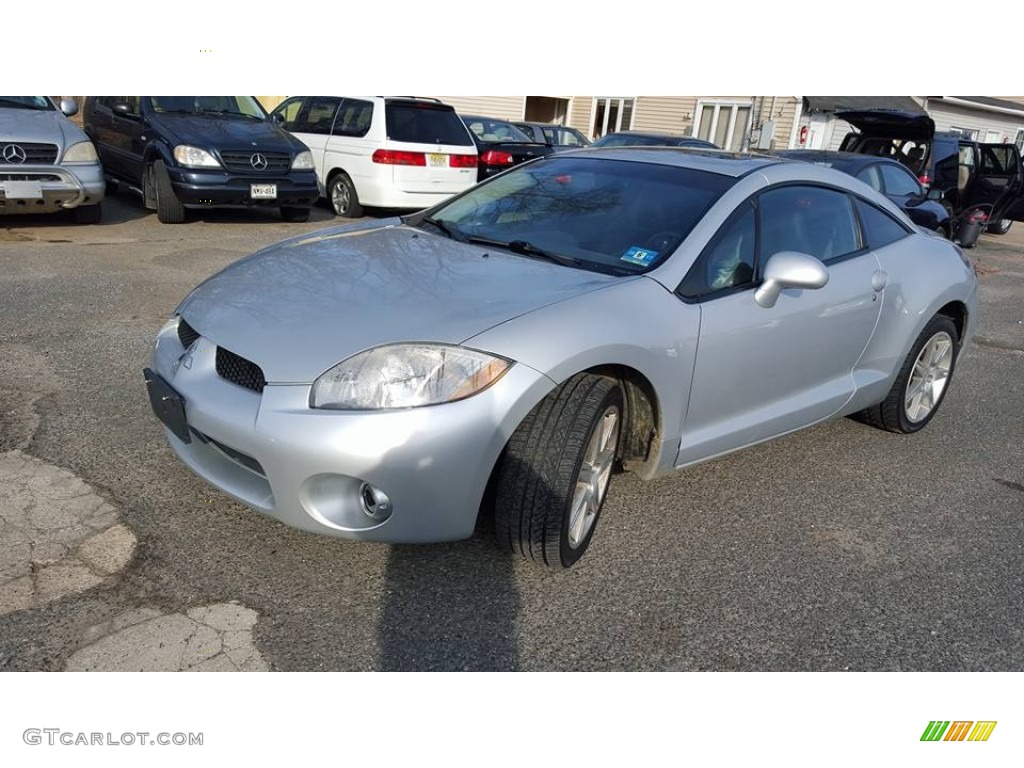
column 957, row 312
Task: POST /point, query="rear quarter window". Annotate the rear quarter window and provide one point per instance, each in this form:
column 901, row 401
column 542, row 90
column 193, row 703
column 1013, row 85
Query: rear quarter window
column 880, row 229
column 425, row 124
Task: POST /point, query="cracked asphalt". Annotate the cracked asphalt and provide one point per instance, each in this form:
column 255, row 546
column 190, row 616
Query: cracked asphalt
column 837, row 548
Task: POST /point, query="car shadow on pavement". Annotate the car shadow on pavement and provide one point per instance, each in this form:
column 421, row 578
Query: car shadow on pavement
column 450, row 607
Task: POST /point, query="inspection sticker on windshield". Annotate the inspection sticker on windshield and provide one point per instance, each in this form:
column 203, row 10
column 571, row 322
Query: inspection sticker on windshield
column 639, row 256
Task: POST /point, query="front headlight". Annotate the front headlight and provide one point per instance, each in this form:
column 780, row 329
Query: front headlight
column 406, row 376
column 194, row 157
column 83, row 152
column 303, row 161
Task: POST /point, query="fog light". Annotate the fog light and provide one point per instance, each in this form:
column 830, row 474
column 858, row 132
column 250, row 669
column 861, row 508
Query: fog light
column 376, row 503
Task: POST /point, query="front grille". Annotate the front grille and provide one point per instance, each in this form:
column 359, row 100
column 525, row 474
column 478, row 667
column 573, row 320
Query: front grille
column 11, row 153
column 186, row 333
column 242, row 161
column 244, row 459
column 29, row 177
column 240, row 371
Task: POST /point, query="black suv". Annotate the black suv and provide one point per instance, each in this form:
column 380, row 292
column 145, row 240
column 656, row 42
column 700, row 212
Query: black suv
column 975, row 179
column 184, row 152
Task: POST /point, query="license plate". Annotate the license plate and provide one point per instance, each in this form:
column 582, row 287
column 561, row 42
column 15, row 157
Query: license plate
column 23, row 190
column 437, row 161
column 263, row 191
column 168, row 405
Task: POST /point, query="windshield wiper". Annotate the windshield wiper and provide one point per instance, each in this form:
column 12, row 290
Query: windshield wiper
column 230, row 112
column 529, row 249
column 446, row 229
column 20, row 104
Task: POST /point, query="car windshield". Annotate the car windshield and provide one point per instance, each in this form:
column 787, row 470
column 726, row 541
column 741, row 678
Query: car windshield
column 607, row 215
column 634, row 140
column 496, row 130
column 233, row 106
column 26, row 102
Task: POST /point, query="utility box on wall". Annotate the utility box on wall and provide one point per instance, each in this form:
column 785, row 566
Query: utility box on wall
column 764, row 140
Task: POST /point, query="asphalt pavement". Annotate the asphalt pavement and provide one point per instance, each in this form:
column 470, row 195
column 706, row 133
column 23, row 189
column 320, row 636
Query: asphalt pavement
column 837, row 548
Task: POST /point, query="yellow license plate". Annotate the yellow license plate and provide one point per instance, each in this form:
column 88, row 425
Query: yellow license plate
column 437, row 161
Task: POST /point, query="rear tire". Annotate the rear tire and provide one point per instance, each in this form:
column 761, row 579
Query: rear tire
column 87, row 214
column 1000, row 227
column 169, row 209
column 554, row 476
column 295, row 214
column 922, row 382
column 341, row 193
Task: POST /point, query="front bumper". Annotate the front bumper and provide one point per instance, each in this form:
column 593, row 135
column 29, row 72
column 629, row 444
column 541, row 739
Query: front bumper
column 202, row 188
column 306, row 467
column 61, row 186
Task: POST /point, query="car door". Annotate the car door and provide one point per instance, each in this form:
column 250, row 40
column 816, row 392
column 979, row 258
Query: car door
column 761, row 372
column 313, row 126
column 117, row 127
column 999, row 182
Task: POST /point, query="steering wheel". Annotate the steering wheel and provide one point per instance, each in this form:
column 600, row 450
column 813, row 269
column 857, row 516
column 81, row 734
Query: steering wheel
column 663, row 241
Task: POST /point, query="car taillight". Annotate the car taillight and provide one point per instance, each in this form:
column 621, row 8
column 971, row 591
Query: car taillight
column 462, row 161
column 494, row 157
column 396, row 157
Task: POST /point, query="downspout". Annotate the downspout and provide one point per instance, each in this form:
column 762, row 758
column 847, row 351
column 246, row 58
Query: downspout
column 796, row 122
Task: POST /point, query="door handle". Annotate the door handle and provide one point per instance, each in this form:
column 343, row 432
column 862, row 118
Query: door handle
column 879, row 280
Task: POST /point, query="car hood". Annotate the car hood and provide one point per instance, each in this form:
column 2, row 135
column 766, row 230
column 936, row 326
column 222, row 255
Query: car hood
column 44, row 126
column 890, row 123
column 223, row 132
column 302, row 306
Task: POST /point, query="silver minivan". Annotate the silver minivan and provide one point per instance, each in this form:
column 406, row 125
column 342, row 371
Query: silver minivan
column 381, row 151
column 47, row 163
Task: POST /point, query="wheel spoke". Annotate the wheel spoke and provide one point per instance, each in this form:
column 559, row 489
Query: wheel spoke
column 580, row 512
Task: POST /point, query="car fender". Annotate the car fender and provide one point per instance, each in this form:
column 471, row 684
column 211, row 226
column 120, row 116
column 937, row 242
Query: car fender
column 634, row 324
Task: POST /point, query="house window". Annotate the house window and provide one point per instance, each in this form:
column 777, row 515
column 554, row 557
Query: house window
column 724, row 123
column 611, row 114
column 967, row 133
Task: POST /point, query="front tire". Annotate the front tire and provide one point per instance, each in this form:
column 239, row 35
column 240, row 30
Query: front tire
column 922, row 382
column 342, row 194
column 169, row 209
column 554, row 476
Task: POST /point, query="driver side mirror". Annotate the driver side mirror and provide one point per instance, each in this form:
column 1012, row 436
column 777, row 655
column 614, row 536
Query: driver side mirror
column 936, row 194
column 277, row 118
column 789, row 269
column 69, row 107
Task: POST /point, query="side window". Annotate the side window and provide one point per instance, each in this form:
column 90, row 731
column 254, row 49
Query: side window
column 289, row 112
column 810, row 220
column 354, row 118
column 880, row 228
column 872, row 177
column 727, row 261
column 110, row 101
column 319, row 116
column 899, row 181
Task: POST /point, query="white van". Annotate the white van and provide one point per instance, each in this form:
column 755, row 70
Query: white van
column 383, row 151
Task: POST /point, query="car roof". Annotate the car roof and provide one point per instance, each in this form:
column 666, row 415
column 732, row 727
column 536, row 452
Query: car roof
column 484, row 117
column 735, row 164
column 843, row 161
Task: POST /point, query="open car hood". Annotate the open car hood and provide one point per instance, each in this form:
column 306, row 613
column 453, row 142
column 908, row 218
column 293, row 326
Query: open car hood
column 890, row 123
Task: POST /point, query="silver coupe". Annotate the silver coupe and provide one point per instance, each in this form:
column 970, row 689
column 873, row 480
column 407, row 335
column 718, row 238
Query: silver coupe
column 506, row 352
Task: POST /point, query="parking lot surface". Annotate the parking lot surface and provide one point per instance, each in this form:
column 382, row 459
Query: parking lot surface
column 837, row 548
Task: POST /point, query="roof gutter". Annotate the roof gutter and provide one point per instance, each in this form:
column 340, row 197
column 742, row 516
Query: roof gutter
column 977, row 105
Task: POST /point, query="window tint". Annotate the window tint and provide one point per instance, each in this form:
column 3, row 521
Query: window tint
column 426, row 124
column 810, row 220
column 319, row 115
column 728, row 261
column 496, row 130
column 899, row 181
column 872, row 177
column 880, row 228
column 354, row 119
column 289, row 112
